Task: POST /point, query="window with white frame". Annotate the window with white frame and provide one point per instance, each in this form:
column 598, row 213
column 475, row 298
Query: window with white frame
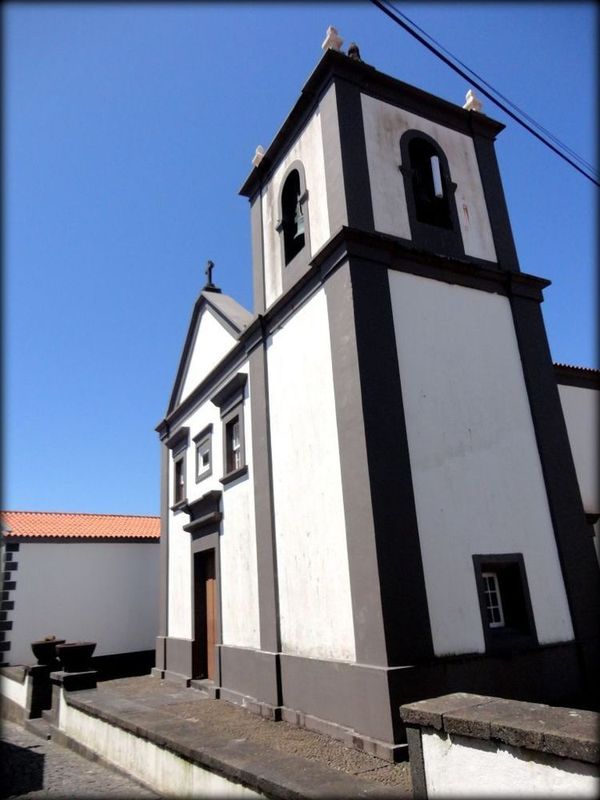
column 203, row 442
column 506, row 611
column 230, row 400
column 493, row 599
column 177, row 444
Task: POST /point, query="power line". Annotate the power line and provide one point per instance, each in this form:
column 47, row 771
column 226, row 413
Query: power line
column 480, row 86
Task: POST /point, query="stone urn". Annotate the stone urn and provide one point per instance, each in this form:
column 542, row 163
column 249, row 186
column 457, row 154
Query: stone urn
column 75, row 656
column 45, row 650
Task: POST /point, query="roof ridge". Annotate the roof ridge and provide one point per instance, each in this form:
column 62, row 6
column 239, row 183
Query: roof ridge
column 81, row 514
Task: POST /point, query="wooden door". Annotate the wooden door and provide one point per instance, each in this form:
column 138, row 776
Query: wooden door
column 205, row 614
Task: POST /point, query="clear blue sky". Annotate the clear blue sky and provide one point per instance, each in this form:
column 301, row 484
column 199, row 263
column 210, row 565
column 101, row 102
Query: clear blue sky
column 128, row 130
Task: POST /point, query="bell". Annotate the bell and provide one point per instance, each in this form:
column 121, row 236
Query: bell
column 299, row 221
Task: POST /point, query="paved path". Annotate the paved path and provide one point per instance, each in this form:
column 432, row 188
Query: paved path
column 31, row 767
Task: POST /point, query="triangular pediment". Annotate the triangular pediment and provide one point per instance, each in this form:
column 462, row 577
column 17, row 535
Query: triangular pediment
column 216, row 324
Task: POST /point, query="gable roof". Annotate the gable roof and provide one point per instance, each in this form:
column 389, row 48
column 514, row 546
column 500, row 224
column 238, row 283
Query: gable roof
column 62, row 525
column 232, row 316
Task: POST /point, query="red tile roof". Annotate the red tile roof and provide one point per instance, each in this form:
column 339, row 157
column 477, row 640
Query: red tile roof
column 53, row 525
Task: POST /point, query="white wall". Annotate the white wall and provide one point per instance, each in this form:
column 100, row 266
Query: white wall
column 459, row 767
column 384, row 125
column 239, row 574
column 476, row 471
column 312, row 559
column 581, row 408
column 308, row 148
column 211, row 343
column 102, row 592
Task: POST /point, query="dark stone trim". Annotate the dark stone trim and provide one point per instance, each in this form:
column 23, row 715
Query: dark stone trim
column 181, row 505
column 258, row 261
column 6, row 625
column 12, row 547
column 581, row 377
column 337, row 66
column 430, row 237
column 8, row 556
column 575, row 546
column 357, row 183
column 332, row 153
column 233, row 476
column 360, row 529
column 178, row 656
column 9, row 586
column 178, row 440
column 266, row 546
column 123, row 665
column 493, row 193
column 417, row 764
column 498, row 639
column 401, row 578
column 11, row 566
column 251, row 674
column 7, row 605
column 208, row 429
column 204, row 512
column 231, row 394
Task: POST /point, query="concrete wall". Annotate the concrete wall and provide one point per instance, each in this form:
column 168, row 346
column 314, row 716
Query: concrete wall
column 476, row 471
column 157, row 767
column 468, row 745
column 581, row 408
column 308, row 148
column 239, row 576
column 314, row 584
column 211, row 343
column 384, row 126
column 101, row 592
column 461, row 767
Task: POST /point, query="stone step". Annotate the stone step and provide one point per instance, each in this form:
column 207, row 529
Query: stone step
column 40, row 727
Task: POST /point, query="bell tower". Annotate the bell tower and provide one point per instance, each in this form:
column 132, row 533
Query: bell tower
column 364, row 151
column 420, row 482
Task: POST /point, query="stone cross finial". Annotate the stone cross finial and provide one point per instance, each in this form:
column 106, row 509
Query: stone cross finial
column 208, row 272
column 472, row 102
column 332, row 40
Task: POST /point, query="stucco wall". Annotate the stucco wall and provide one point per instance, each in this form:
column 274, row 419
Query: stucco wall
column 581, row 408
column 314, row 584
column 308, row 148
column 384, row 126
column 102, row 592
column 239, row 576
column 476, row 471
column 211, row 343
column 460, row 767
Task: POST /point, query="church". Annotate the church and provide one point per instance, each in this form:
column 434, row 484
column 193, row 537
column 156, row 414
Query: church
column 376, row 486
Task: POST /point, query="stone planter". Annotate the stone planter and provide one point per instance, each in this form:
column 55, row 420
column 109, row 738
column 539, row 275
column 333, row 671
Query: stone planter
column 45, row 651
column 75, row 656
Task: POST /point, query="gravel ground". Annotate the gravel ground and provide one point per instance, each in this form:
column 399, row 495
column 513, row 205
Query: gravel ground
column 237, row 723
column 31, row 767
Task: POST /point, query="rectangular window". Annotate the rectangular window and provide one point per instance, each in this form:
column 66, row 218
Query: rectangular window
column 506, row 611
column 230, row 400
column 177, row 443
column 233, row 445
column 179, row 479
column 203, row 441
column 493, row 601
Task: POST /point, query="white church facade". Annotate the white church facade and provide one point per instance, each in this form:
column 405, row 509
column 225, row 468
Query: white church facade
column 368, row 490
